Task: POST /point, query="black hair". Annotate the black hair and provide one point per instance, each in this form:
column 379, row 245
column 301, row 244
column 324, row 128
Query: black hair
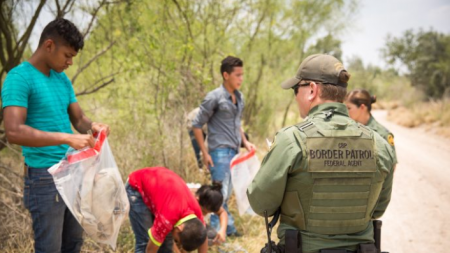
column 193, row 234
column 210, row 196
column 62, row 30
column 229, row 63
column 360, row 97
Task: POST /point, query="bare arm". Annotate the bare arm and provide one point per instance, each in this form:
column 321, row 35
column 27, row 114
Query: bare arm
column 81, row 122
column 204, row 247
column 248, row 145
column 151, row 247
column 201, row 143
column 223, row 219
column 205, row 112
column 176, row 249
column 19, row 133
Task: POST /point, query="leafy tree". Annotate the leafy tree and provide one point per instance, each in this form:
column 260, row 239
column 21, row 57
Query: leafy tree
column 16, row 29
column 164, row 56
column 426, row 56
column 173, row 49
column 327, row 45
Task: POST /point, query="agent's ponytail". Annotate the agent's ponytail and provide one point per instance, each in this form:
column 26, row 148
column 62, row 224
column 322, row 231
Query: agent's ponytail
column 360, row 97
column 344, row 76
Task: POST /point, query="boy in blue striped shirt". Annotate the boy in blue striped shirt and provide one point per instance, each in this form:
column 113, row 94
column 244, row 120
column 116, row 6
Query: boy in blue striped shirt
column 39, row 106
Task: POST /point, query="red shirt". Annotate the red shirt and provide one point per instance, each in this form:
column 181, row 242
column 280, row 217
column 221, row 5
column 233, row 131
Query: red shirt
column 168, row 198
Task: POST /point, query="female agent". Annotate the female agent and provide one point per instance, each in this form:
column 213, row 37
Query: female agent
column 359, row 104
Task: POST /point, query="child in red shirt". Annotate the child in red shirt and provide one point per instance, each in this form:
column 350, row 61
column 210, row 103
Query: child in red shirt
column 161, row 203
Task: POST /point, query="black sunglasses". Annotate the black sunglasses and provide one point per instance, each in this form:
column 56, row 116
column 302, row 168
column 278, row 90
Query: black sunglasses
column 297, row 86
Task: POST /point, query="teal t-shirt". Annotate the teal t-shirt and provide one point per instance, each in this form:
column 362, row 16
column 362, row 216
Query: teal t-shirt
column 47, row 99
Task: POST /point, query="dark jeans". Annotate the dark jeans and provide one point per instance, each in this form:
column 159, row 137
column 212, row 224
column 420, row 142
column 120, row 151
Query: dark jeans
column 211, row 234
column 55, row 228
column 196, row 148
column 141, row 220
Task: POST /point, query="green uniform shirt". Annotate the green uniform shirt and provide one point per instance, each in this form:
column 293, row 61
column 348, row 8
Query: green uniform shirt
column 384, row 132
column 283, row 181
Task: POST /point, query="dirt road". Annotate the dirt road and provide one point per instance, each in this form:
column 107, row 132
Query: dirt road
column 418, row 217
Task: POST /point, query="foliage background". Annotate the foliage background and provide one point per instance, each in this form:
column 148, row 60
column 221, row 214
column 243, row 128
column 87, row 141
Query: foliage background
column 146, row 64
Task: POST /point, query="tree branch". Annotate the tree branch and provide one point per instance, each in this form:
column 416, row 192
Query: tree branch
column 252, row 105
column 16, row 191
column 286, row 111
column 252, row 38
column 188, row 25
column 85, row 92
column 7, row 35
column 2, row 142
column 95, row 57
column 94, row 16
column 27, row 33
column 9, row 170
column 2, row 56
column 58, row 7
column 66, row 8
column 14, row 209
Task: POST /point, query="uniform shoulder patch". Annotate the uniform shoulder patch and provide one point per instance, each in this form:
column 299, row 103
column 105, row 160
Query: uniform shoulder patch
column 390, row 139
column 273, row 144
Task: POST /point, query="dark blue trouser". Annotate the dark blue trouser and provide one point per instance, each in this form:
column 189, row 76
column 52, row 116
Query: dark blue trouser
column 55, row 228
column 141, row 220
column 196, row 148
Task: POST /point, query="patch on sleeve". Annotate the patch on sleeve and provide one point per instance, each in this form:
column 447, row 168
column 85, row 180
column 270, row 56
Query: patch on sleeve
column 390, row 139
column 273, row 144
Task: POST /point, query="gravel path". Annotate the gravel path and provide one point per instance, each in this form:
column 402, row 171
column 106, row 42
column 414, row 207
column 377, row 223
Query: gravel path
column 418, row 217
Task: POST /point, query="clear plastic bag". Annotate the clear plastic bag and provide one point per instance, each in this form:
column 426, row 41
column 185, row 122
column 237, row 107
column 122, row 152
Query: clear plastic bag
column 244, row 167
column 90, row 184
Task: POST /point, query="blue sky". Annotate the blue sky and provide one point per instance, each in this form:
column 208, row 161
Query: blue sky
column 378, row 18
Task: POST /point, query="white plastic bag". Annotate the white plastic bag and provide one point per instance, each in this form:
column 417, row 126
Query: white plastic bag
column 90, row 184
column 244, row 167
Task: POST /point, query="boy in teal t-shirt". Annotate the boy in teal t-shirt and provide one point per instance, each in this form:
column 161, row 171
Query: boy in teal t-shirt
column 46, row 99
column 39, row 106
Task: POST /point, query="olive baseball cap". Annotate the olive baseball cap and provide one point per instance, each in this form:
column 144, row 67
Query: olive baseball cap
column 317, row 67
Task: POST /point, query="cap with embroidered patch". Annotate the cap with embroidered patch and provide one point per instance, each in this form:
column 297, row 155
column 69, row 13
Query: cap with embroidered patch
column 318, row 67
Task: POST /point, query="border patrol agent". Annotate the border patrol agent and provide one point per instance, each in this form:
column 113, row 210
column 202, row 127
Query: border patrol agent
column 329, row 176
column 359, row 104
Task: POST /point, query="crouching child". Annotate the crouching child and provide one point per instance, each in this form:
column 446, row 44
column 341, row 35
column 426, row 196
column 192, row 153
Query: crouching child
column 163, row 210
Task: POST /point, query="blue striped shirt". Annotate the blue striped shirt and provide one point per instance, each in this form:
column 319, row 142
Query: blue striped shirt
column 47, row 99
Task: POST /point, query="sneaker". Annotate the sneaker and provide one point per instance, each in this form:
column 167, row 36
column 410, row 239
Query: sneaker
column 235, row 234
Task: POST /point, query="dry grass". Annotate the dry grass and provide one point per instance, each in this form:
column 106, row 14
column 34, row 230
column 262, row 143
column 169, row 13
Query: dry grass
column 385, row 105
column 16, row 232
column 435, row 115
column 254, row 232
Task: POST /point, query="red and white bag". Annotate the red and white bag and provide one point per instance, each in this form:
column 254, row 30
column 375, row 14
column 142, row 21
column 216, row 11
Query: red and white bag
column 244, row 167
column 90, row 184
